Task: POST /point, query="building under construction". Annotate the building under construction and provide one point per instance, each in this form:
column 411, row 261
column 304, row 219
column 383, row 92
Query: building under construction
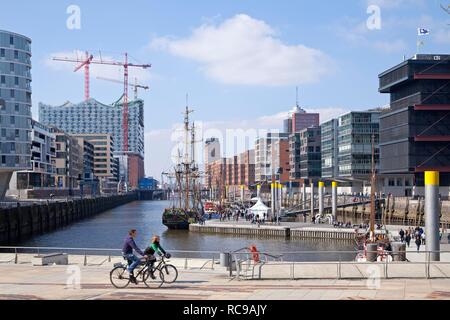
column 93, row 117
column 415, row 131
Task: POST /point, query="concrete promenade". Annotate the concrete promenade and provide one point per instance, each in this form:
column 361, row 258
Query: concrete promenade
column 24, row 281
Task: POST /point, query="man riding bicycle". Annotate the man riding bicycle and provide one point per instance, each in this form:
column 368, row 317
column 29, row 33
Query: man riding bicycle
column 127, row 252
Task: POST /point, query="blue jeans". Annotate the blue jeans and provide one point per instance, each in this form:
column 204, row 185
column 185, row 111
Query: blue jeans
column 135, row 262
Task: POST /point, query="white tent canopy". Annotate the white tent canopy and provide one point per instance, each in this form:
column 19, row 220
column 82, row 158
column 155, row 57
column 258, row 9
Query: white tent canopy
column 259, row 209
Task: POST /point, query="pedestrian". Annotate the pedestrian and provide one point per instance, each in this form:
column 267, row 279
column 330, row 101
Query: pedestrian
column 423, row 237
column 408, row 238
column 313, row 219
column 418, row 243
column 402, row 235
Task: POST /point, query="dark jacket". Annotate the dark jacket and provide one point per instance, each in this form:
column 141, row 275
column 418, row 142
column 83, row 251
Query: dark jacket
column 155, row 247
column 129, row 245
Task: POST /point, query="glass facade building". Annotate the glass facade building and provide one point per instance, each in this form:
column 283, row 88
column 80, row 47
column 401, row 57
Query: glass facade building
column 93, row 117
column 355, row 130
column 329, row 134
column 15, row 106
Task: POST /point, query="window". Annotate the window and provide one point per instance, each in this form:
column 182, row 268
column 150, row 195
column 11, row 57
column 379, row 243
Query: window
column 2, row 53
column 16, row 81
column 16, row 54
column 3, row 159
column 16, row 107
column 12, row 120
column 11, row 67
column 11, row 40
column 12, row 93
column 17, row 133
column 2, row 79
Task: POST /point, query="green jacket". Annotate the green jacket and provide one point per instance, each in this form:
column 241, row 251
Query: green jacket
column 155, row 247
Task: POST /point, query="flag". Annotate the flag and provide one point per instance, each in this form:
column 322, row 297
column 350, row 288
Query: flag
column 422, row 31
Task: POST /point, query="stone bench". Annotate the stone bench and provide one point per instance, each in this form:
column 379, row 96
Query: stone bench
column 50, row 259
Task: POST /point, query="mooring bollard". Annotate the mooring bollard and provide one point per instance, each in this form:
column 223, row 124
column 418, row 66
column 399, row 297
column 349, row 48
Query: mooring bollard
column 304, row 196
column 432, row 214
column 312, row 198
column 334, row 199
column 320, row 193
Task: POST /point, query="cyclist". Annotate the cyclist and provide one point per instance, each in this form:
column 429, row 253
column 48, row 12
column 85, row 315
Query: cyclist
column 155, row 246
column 127, row 252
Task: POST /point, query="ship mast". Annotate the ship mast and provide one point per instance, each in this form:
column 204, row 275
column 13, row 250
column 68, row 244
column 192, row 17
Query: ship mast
column 187, row 164
column 372, row 193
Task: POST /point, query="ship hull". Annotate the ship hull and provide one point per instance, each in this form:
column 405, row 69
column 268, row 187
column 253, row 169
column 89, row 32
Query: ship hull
column 176, row 219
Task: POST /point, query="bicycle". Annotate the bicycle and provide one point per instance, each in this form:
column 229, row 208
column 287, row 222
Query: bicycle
column 151, row 276
column 169, row 271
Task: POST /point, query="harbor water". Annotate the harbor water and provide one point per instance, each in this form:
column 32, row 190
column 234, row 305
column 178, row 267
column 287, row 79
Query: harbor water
column 108, row 230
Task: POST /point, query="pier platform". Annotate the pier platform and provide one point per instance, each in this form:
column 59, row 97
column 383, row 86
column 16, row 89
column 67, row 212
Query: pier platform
column 287, row 230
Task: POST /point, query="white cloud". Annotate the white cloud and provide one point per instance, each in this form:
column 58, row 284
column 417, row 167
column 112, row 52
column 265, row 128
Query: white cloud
column 246, row 51
column 95, row 70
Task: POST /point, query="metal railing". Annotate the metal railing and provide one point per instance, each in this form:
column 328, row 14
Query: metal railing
column 188, row 256
column 247, row 269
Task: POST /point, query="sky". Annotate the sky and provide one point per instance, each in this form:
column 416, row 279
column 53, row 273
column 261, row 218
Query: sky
column 239, row 61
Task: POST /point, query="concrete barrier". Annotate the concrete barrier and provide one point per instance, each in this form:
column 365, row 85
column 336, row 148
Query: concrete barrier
column 50, row 259
column 22, row 222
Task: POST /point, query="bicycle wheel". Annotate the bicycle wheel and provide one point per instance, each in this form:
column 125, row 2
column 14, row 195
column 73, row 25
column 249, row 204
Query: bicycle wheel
column 153, row 282
column 170, row 273
column 119, row 277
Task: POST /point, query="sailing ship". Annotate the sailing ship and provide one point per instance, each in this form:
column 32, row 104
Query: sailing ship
column 186, row 206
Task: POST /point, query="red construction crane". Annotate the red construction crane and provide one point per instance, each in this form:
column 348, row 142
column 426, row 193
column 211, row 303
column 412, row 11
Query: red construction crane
column 82, row 63
column 89, row 60
column 135, row 85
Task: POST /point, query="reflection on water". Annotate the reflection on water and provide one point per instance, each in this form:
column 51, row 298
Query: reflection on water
column 107, row 230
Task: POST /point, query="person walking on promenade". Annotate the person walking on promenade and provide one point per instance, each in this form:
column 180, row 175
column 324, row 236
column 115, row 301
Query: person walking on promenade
column 408, row 238
column 423, row 237
column 418, row 243
column 402, row 235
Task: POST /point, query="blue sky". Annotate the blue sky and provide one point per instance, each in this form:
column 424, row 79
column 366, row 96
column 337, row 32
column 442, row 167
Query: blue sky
column 239, row 60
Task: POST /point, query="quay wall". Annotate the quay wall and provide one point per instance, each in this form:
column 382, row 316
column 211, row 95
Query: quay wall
column 22, row 222
column 274, row 231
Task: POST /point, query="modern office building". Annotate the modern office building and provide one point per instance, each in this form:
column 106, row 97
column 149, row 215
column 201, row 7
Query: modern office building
column 294, row 158
column 246, row 167
column 310, row 153
column 106, row 165
column 88, row 160
column 280, row 160
column 415, row 131
column 218, row 174
column 41, row 174
column 263, row 156
column 68, row 161
column 92, row 117
column 15, row 105
column 329, row 148
column 212, row 153
column 212, row 150
column 355, row 131
column 299, row 119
